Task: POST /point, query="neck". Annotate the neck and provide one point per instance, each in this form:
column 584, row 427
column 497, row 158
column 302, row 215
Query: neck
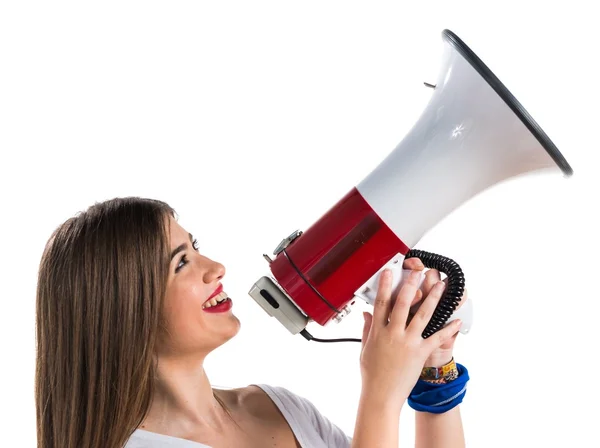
column 183, row 398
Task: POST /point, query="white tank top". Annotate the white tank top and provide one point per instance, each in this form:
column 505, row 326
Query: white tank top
column 312, row 429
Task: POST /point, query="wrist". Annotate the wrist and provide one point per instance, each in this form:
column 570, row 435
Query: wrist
column 440, row 375
column 439, row 398
column 383, row 398
column 439, row 359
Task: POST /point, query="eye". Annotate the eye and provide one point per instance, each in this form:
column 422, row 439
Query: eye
column 181, row 263
column 184, row 260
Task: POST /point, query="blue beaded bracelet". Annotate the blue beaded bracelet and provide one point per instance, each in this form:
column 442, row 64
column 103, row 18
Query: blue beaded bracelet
column 439, row 398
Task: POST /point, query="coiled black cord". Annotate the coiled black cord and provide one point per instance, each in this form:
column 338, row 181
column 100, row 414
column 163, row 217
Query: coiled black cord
column 452, row 293
column 450, row 299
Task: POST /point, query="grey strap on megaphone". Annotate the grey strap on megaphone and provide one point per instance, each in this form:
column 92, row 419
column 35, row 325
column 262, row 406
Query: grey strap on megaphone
column 448, row 303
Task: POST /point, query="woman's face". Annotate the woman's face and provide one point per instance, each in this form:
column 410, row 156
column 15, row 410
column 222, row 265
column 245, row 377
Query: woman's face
column 192, row 326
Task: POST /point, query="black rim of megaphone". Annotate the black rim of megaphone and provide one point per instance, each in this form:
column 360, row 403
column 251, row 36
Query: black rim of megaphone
column 509, row 99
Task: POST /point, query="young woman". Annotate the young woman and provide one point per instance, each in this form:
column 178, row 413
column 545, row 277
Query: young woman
column 125, row 317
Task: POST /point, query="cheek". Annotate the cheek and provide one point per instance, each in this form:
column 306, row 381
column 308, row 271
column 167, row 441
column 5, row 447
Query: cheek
column 184, row 305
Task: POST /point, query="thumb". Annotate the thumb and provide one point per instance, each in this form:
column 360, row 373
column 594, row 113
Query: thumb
column 367, row 327
column 446, row 334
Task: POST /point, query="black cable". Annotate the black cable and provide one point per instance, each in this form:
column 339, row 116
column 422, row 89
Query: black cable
column 452, row 293
column 448, row 303
column 310, row 337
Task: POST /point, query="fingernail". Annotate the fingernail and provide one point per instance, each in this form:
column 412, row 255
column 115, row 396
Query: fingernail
column 387, row 273
column 414, row 275
column 440, row 285
column 458, row 322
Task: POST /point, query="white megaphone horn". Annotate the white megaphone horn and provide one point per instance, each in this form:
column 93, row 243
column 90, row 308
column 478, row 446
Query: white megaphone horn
column 472, row 135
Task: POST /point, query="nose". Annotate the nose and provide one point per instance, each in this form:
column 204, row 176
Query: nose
column 215, row 272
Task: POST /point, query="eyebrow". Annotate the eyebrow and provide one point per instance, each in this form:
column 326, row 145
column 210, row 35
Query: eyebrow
column 181, row 247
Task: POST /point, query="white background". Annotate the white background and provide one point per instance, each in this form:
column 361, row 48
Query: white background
column 253, row 118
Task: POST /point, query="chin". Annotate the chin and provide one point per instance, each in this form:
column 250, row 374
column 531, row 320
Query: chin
column 230, row 330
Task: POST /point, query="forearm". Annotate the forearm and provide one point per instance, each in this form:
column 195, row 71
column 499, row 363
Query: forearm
column 377, row 422
column 439, row 430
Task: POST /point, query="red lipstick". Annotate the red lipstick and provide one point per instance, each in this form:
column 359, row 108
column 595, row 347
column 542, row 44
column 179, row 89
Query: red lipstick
column 216, row 292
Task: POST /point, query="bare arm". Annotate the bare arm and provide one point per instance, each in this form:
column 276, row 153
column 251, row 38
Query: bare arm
column 439, row 430
column 392, row 358
column 377, row 422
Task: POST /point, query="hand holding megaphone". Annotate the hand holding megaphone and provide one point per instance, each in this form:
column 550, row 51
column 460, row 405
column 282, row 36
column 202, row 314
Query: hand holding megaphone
column 429, row 278
column 452, row 306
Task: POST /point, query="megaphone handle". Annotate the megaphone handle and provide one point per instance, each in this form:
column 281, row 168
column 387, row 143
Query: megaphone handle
column 453, row 292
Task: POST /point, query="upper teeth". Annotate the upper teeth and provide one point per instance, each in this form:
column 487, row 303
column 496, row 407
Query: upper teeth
column 216, row 299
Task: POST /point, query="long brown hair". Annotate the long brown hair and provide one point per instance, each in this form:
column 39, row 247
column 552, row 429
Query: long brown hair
column 101, row 285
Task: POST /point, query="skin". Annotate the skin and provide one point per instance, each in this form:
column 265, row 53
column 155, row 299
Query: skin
column 184, row 405
column 437, row 430
column 393, row 354
column 443, row 354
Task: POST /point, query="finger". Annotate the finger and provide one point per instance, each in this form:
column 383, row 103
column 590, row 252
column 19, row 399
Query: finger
column 417, row 299
column 414, row 306
column 425, row 311
column 444, row 335
column 383, row 302
column 432, row 276
column 416, row 303
column 406, row 296
column 453, row 337
column 367, row 327
column 413, row 264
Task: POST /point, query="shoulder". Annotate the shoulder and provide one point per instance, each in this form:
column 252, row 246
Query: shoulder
column 300, row 409
column 294, row 406
column 267, row 401
column 251, row 400
column 259, row 395
column 255, row 395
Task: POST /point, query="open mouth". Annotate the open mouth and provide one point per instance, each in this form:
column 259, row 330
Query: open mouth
column 215, row 300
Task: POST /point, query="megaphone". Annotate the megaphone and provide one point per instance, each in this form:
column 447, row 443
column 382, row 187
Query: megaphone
column 472, row 134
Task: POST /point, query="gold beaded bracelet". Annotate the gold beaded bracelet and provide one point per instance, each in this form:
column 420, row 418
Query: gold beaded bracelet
column 440, row 375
